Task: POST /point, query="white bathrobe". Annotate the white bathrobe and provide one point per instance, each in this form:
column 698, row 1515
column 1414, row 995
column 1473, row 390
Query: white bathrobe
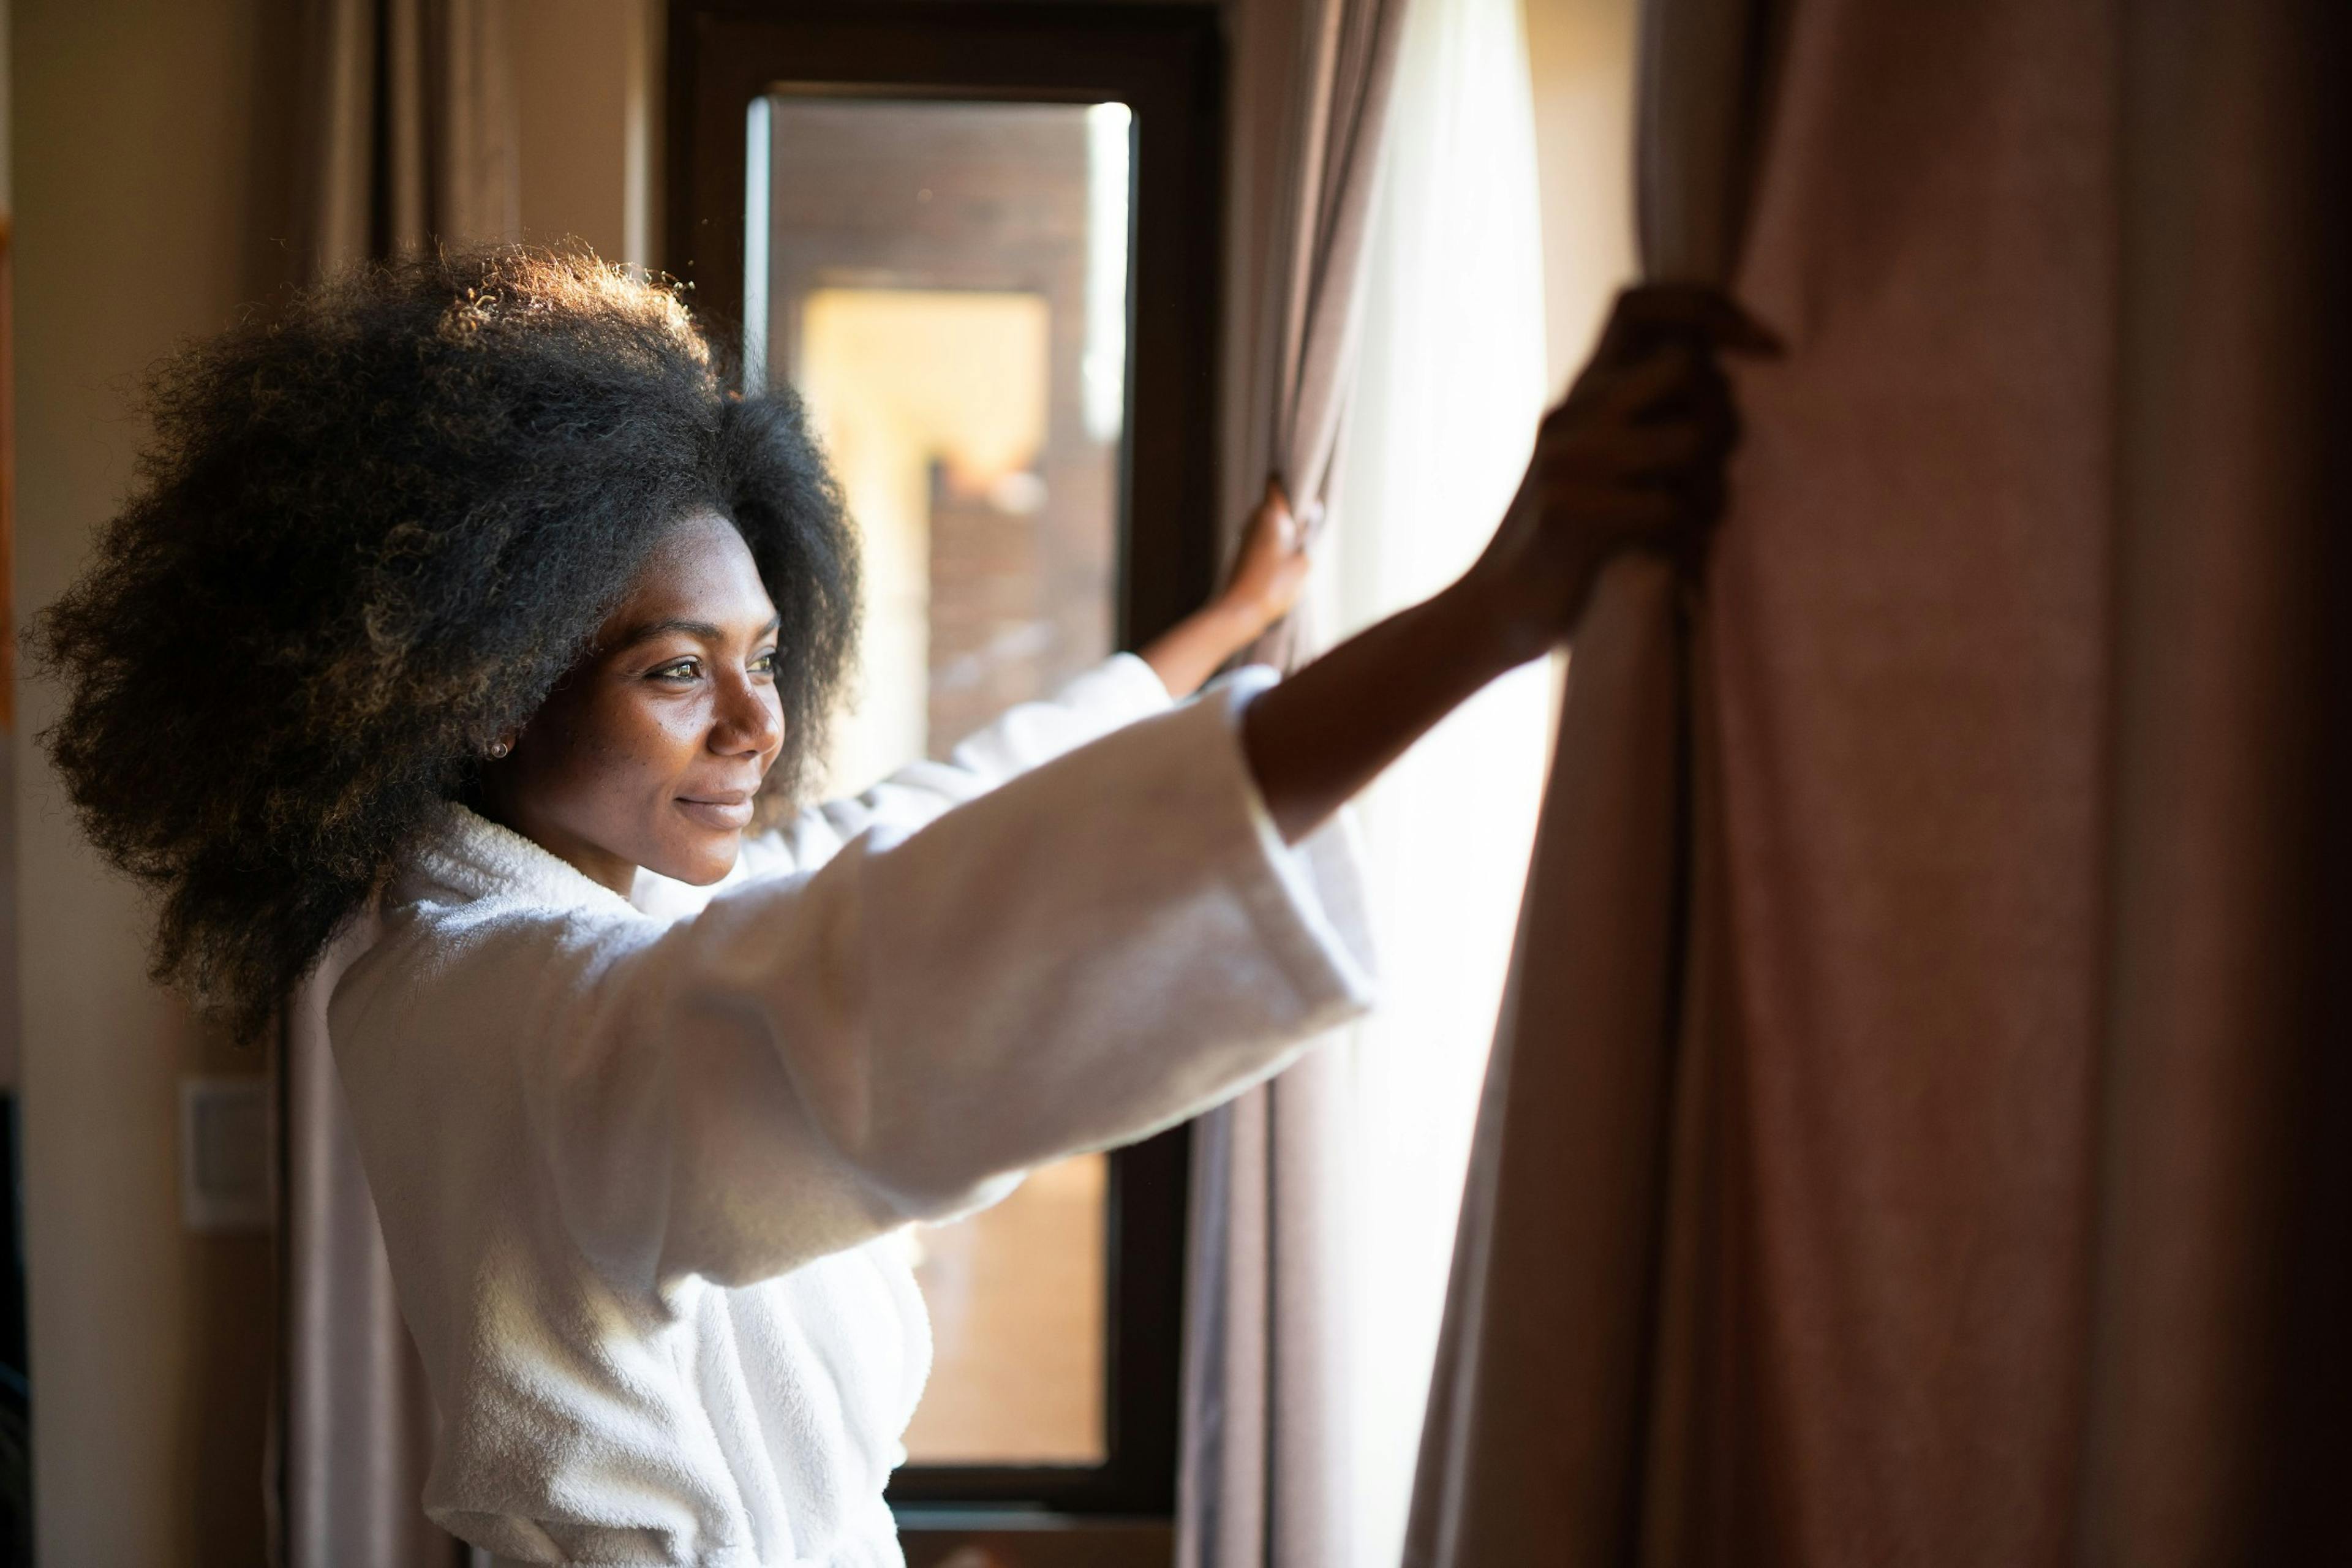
column 635, row 1165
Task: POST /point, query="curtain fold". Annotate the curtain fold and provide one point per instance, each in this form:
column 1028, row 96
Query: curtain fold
column 1311, row 86
column 1542, row 1432
column 1262, row 1473
column 410, row 113
column 1264, row 1477
column 1918, row 1129
column 1529, row 1446
column 409, row 119
column 2220, row 1394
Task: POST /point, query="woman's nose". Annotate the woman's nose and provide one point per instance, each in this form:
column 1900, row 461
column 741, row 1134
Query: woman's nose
column 747, row 719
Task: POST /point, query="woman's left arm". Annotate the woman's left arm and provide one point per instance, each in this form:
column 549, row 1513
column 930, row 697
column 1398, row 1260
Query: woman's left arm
column 1108, row 696
column 1631, row 460
column 1267, row 578
column 1265, row 582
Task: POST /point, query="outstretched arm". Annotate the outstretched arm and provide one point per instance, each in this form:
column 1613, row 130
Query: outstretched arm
column 1267, row 575
column 1633, row 458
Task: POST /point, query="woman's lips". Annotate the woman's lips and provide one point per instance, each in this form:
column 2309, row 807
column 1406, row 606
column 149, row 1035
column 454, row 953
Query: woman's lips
column 728, row 812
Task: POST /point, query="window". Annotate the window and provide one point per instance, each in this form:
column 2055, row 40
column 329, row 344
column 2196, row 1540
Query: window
column 982, row 239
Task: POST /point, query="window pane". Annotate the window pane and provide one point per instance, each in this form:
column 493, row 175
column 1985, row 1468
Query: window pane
column 1016, row 1294
column 946, row 283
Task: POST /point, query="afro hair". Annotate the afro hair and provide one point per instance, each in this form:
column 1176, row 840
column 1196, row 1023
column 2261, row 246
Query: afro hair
column 372, row 529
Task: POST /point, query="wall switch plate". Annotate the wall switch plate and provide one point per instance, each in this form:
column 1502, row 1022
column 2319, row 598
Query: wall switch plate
column 228, row 1162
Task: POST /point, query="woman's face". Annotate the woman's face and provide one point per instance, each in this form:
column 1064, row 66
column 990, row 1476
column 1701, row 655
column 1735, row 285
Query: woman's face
column 649, row 751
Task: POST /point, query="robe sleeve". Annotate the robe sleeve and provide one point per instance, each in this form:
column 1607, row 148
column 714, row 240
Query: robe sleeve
column 1118, row 692
column 1097, row 949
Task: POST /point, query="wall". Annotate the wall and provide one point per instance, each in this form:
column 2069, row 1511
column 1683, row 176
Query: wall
column 588, row 82
column 151, row 178
column 142, row 159
column 7, row 631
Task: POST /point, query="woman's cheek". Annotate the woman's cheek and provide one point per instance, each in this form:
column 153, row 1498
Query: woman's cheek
column 659, row 732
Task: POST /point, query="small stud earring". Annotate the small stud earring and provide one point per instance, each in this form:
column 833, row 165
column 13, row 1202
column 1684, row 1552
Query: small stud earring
column 500, row 749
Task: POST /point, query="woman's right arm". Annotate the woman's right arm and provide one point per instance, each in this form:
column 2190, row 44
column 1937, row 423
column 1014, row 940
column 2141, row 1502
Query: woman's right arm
column 1633, row 458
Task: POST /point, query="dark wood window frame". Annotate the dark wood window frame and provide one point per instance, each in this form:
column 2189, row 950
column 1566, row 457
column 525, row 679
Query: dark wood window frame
column 1165, row 62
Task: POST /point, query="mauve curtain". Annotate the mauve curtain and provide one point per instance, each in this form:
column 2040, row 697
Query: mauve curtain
column 409, row 113
column 2219, row 1382
column 1311, row 85
column 1918, row 1129
column 1532, row 1448
column 1264, row 1477
column 409, row 117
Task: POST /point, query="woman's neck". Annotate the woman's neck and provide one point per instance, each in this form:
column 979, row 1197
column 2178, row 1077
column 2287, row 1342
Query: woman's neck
column 593, row 861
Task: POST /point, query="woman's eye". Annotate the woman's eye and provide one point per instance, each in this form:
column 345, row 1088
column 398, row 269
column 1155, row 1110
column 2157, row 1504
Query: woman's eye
column 678, row 670
column 765, row 664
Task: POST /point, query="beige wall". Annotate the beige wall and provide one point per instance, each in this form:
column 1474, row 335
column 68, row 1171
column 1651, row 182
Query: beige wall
column 588, row 87
column 151, row 177
column 1580, row 61
column 8, row 1019
column 142, row 159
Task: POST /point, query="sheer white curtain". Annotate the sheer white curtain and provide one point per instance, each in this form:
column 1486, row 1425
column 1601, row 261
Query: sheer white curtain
column 1448, row 391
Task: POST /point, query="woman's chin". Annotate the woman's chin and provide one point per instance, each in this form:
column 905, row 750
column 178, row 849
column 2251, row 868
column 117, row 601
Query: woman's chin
column 706, row 859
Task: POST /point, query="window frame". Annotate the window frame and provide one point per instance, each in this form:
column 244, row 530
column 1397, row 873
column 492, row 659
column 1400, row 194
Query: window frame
column 1166, row 62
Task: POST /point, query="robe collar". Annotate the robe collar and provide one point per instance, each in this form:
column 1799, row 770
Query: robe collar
column 465, row 856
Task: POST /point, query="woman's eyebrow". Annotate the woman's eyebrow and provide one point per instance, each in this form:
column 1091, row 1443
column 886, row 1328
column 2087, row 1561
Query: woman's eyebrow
column 707, row 631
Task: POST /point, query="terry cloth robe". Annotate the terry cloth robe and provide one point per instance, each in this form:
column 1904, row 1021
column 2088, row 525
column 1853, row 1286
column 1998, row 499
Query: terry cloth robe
column 636, row 1168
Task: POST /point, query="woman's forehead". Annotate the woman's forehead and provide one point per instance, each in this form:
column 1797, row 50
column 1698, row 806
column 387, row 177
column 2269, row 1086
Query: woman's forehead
column 701, row 572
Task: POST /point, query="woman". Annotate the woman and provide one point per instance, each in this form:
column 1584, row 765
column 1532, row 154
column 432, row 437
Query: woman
column 460, row 605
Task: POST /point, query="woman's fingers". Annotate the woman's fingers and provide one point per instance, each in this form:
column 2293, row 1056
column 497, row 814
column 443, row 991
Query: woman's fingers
column 1634, row 458
column 1672, row 376
column 1637, row 451
column 1620, row 509
column 1647, row 311
column 1271, row 564
column 1663, row 420
column 1660, row 345
column 1667, row 372
column 1276, row 495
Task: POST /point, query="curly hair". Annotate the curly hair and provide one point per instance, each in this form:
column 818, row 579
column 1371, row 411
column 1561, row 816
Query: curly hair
column 372, row 531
